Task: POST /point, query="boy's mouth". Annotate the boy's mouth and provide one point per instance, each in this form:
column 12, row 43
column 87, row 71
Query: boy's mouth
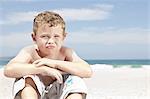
column 50, row 46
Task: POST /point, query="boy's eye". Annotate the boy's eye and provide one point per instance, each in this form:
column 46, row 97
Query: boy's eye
column 56, row 36
column 44, row 36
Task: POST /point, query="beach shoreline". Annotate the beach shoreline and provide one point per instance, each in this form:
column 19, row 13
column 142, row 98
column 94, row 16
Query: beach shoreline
column 110, row 83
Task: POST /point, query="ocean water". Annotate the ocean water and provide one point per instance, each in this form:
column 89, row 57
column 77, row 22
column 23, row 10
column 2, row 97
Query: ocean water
column 114, row 63
column 4, row 60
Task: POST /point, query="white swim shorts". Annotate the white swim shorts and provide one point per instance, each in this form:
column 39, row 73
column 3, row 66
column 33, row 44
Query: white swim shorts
column 71, row 84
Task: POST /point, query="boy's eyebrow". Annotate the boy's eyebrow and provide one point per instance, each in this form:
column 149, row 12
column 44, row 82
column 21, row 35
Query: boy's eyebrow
column 46, row 33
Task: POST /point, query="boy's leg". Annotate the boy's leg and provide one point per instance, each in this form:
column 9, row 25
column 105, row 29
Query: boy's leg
column 30, row 90
column 73, row 88
column 74, row 96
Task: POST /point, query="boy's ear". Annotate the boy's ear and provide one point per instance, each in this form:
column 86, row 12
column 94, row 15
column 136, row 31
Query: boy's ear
column 33, row 36
column 65, row 34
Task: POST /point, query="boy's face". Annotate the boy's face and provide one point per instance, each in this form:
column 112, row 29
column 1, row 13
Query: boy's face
column 49, row 39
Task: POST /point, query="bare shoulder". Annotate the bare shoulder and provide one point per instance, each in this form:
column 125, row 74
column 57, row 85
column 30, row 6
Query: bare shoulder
column 24, row 55
column 70, row 54
column 66, row 51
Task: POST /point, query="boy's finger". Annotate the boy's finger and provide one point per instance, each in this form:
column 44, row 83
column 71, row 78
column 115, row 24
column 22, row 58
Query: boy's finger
column 39, row 64
column 60, row 78
column 35, row 62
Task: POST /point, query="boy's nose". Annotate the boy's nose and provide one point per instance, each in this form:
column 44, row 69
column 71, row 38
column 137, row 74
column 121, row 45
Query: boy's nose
column 50, row 41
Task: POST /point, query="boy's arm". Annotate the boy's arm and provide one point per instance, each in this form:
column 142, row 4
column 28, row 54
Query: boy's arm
column 74, row 65
column 19, row 66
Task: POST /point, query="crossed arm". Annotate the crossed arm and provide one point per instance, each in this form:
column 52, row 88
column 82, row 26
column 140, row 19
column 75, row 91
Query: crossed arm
column 20, row 66
column 80, row 68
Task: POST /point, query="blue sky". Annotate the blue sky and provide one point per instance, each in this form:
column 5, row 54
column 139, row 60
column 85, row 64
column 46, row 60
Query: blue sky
column 97, row 29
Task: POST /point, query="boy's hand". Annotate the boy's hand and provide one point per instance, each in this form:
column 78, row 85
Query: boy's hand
column 45, row 61
column 47, row 71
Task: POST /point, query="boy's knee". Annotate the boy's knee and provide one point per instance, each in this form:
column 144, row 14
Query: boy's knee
column 30, row 89
column 29, row 93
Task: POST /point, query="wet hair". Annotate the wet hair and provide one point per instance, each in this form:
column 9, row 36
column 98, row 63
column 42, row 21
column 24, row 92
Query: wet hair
column 50, row 18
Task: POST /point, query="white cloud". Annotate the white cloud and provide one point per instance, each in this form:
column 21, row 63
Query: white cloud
column 12, row 43
column 83, row 14
column 18, row 17
column 15, row 40
column 106, row 7
column 110, row 36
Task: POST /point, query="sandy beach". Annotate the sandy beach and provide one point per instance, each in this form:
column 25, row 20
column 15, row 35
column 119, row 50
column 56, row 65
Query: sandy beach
column 108, row 83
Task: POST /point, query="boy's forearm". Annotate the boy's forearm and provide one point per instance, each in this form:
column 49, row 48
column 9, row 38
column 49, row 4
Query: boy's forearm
column 75, row 68
column 16, row 70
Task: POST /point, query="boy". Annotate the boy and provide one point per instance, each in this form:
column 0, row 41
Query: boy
column 48, row 69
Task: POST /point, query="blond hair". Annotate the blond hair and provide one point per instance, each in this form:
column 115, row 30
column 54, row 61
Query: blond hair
column 50, row 18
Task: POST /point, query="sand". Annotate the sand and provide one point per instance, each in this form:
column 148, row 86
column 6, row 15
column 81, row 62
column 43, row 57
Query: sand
column 118, row 83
